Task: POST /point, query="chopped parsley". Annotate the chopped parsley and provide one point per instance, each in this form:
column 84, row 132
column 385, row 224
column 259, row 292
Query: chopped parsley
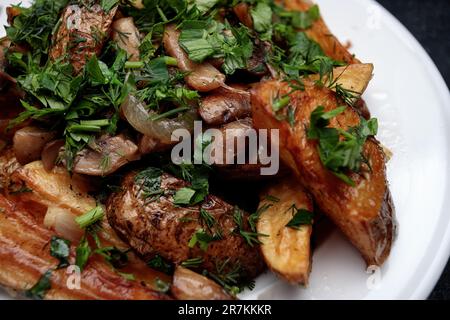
column 60, row 249
column 202, row 239
column 250, row 237
column 300, row 217
column 160, row 264
column 202, row 39
column 83, row 252
column 198, row 176
column 150, row 182
column 340, row 151
column 40, row 289
column 184, row 196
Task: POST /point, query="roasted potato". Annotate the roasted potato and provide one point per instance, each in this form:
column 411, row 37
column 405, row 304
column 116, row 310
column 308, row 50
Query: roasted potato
column 55, row 188
column 320, row 33
column 25, row 257
column 365, row 213
column 189, row 285
column 355, row 78
column 286, row 250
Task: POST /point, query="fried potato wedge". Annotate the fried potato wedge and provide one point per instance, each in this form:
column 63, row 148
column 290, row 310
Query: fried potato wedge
column 287, row 251
column 55, row 188
column 320, row 33
column 365, row 213
column 25, row 257
column 354, row 78
column 189, row 285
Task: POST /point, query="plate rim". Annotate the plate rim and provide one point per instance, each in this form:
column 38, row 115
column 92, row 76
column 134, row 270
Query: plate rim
column 442, row 256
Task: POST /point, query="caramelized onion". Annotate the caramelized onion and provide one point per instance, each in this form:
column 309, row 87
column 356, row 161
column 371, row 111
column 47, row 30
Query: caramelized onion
column 140, row 119
column 63, row 222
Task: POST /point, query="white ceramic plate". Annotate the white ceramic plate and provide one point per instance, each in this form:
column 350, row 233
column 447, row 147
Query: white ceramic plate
column 412, row 103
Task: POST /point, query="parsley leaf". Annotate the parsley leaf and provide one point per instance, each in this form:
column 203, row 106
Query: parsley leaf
column 150, row 181
column 158, row 263
column 202, row 238
column 340, row 150
column 210, row 39
column 262, row 19
column 301, row 217
column 107, row 5
column 183, row 196
column 40, row 289
column 60, row 249
column 83, row 252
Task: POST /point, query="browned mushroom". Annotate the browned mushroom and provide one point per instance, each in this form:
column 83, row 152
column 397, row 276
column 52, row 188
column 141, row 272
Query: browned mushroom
column 149, row 144
column 28, row 143
column 203, row 77
column 50, row 154
column 126, row 35
column 106, row 155
column 223, row 106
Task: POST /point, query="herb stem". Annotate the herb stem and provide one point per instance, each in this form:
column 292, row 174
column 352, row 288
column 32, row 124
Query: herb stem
column 169, row 113
column 134, row 64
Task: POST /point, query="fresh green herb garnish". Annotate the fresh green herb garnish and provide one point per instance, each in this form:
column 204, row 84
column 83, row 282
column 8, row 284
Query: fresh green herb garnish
column 158, row 263
column 254, row 217
column 192, row 263
column 91, row 217
column 202, row 238
column 262, row 20
column 204, row 39
column 300, row 217
column 340, row 150
column 229, row 274
column 60, row 249
column 198, row 176
column 107, row 5
column 40, row 289
column 250, row 237
column 162, row 286
column 183, row 196
column 83, row 252
column 35, row 24
column 150, row 181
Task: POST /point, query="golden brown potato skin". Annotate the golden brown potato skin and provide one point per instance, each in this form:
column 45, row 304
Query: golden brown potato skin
column 364, row 213
column 320, row 33
column 154, row 227
column 287, row 251
column 25, row 256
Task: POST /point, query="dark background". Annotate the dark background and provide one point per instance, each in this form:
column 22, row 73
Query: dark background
column 429, row 22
